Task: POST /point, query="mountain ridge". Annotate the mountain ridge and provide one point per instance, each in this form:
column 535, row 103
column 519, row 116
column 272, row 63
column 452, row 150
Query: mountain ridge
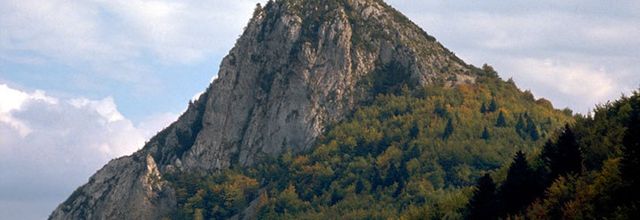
column 299, row 67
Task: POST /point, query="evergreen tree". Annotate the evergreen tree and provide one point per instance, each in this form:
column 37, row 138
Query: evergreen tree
column 534, row 133
column 630, row 163
column 483, row 203
column 485, row 134
column 413, row 152
column 519, row 189
column 392, row 175
column 532, row 129
column 414, row 130
column 403, row 174
column 569, row 158
column 549, row 155
column 448, row 129
column 493, row 106
column 359, row 186
column 483, row 108
column 502, row 120
column 520, row 127
column 376, row 178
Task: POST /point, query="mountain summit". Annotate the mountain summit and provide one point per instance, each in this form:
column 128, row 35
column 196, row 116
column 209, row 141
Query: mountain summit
column 299, row 67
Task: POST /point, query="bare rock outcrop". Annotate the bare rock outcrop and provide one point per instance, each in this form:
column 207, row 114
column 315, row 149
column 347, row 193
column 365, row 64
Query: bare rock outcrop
column 299, row 66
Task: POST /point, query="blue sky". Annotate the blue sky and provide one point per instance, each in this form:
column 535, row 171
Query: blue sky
column 82, row 82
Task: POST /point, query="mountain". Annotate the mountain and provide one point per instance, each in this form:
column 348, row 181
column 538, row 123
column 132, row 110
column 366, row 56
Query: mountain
column 302, row 80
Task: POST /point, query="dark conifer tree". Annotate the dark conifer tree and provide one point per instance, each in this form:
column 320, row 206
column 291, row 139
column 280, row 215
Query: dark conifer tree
column 483, row 203
column 448, row 129
column 359, row 186
column 532, row 129
column 392, row 175
column 414, row 130
column 403, row 173
column 568, row 158
column 534, row 134
column 630, row 163
column 519, row 189
column 483, row 108
column 336, row 196
column 375, row 179
column 549, row 154
column 502, row 120
column 485, row 134
column 520, row 127
column 520, row 124
column 413, row 153
column 493, row 106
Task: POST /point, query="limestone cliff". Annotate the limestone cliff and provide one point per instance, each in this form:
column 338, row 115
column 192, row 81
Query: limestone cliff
column 299, row 66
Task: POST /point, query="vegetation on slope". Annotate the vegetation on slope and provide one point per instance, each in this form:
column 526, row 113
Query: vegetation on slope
column 590, row 171
column 408, row 153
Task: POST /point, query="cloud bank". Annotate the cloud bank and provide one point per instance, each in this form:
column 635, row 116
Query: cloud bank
column 575, row 53
column 50, row 146
column 118, row 39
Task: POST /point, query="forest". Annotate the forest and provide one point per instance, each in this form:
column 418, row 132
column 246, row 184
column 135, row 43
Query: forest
column 468, row 151
column 589, row 170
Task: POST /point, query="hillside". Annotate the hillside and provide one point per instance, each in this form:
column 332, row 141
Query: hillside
column 589, row 171
column 325, row 109
column 412, row 154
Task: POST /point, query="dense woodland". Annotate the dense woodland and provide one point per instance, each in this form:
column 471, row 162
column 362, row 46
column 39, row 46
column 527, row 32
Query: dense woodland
column 591, row 170
column 481, row 151
column 477, row 151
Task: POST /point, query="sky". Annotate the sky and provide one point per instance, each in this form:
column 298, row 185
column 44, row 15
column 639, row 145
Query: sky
column 83, row 82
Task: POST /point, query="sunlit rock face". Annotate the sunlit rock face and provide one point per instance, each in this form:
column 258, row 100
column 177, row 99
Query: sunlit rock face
column 300, row 66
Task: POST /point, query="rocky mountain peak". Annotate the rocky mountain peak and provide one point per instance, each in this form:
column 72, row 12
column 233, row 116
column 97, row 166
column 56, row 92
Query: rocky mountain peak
column 299, row 66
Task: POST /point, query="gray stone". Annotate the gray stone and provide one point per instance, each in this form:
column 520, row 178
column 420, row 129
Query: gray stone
column 298, row 67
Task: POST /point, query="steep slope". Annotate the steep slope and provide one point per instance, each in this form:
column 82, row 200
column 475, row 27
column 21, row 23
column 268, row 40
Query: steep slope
column 300, row 66
column 297, row 68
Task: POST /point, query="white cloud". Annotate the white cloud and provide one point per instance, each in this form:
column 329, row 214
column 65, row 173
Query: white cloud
column 103, row 32
column 575, row 53
column 97, row 44
column 68, row 140
column 568, row 79
column 13, row 100
column 105, row 108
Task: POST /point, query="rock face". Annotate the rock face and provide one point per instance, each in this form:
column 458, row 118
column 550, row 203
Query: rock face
column 299, row 66
column 124, row 189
